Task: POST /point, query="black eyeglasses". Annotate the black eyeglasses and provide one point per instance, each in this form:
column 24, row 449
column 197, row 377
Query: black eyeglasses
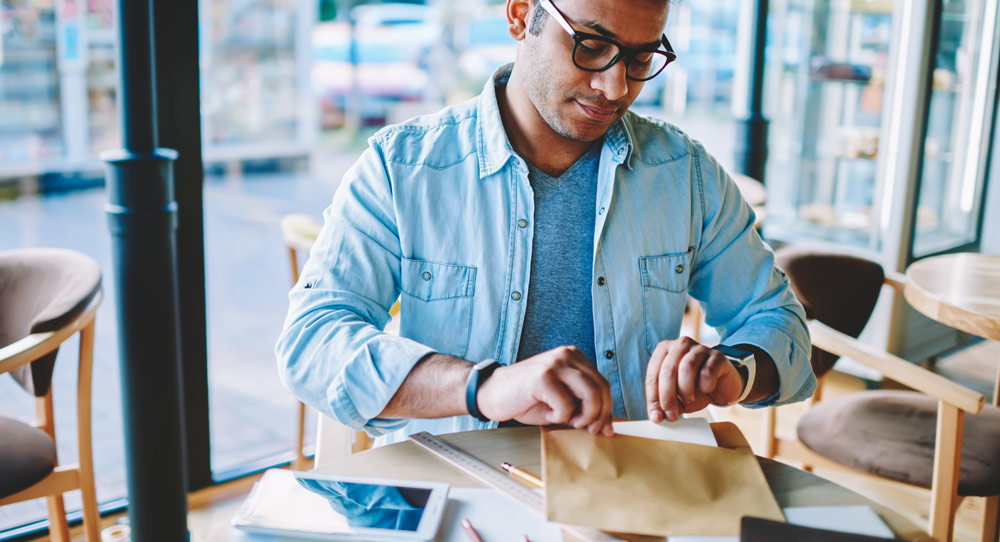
column 596, row 53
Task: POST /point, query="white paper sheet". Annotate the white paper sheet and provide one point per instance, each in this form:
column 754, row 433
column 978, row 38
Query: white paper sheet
column 495, row 517
column 690, row 430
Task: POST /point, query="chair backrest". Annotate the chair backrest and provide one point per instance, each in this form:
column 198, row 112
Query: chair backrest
column 839, row 290
column 42, row 289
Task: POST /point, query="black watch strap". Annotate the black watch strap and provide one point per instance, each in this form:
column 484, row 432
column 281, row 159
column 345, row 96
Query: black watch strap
column 479, row 373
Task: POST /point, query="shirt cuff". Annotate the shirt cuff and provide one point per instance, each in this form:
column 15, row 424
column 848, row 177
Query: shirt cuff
column 365, row 387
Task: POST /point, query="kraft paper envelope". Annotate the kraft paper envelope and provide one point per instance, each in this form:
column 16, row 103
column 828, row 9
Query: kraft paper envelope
column 635, row 485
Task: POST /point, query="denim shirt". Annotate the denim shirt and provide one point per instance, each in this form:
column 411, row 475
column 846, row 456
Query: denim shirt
column 437, row 213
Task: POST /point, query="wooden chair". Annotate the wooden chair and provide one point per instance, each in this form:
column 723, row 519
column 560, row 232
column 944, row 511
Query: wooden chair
column 920, row 438
column 47, row 296
column 333, row 439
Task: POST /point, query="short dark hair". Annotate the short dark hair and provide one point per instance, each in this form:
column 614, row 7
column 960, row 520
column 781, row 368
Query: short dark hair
column 538, row 15
column 537, row 18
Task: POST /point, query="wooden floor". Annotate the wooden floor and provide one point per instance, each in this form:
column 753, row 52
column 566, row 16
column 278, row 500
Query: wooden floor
column 975, row 366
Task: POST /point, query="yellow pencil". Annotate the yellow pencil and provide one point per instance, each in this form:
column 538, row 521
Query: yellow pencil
column 524, row 475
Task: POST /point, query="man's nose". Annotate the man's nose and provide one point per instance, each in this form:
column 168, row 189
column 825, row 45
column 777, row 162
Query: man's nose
column 611, row 82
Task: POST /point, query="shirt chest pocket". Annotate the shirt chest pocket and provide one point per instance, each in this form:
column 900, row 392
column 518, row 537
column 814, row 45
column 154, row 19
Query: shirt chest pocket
column 436, row 304
column 664, row 295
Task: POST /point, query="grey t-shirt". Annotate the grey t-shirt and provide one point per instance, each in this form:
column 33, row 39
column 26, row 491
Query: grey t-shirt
column 559, row 309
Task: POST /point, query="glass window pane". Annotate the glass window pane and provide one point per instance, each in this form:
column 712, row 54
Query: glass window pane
column 31, row 127
column 957, row 130
column 827, row 69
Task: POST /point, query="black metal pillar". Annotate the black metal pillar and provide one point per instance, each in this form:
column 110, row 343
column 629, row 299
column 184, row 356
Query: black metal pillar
column 751, row 135
column 178, row 123
column 142, row 217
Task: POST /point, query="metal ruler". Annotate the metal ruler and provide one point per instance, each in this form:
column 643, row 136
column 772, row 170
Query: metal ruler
column 476, row 468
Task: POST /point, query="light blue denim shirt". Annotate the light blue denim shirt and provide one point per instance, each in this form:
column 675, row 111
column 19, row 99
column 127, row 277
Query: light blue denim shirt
column 437, row 213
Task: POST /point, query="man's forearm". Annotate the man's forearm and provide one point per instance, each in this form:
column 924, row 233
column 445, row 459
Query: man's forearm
column 766, row 380
column 435, row 388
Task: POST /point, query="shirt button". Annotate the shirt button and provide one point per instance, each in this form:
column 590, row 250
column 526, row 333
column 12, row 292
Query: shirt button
column 679, row 268
column 515, row 296
column 522, row 223
column 427, row 275
column 601, row 212
column 600, row 281
column 610, row 354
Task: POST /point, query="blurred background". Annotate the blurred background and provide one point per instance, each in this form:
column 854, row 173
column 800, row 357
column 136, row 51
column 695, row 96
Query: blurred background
column 291, row 89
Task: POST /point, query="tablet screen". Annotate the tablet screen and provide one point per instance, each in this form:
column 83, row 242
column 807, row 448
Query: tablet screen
column 341, row 508
column 371, row 506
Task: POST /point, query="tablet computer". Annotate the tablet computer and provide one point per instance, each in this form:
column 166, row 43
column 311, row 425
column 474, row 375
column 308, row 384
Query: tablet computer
column 324, row 507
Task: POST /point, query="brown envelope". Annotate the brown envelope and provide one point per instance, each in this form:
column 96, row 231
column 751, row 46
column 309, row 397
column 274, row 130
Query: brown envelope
column 637, row 485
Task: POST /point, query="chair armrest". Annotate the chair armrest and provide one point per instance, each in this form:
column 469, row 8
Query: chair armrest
column 28, row 349
column 826, row 338
column 36, row 345
column 896, row 280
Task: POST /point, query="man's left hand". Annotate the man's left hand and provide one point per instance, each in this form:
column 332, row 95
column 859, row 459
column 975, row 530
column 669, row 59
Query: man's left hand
column 684, row 375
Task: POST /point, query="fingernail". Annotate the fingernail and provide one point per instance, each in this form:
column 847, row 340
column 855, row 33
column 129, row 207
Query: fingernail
column 669, row 414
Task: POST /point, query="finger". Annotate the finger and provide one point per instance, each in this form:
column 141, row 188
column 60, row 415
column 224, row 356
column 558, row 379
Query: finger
column 652, row 377
column 710, row 373
column 577, row 359
column 667, row 383
column 589, row 394
column 602, row 424
column 688, row 373
column 557, row 397
column 572, row 357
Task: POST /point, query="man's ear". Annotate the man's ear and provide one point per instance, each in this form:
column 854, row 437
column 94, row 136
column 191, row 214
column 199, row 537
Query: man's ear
column 518, row 12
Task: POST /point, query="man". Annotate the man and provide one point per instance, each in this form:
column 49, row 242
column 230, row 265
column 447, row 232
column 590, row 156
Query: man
column 542, row 223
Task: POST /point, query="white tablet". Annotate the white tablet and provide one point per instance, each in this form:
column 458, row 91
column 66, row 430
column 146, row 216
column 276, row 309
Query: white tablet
column 323, row 507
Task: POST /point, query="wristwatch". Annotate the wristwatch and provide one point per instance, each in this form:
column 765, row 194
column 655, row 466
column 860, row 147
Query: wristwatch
column 479, row 373
column 742, row 360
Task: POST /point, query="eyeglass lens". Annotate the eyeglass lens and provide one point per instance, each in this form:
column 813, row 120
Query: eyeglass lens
column 596, row 55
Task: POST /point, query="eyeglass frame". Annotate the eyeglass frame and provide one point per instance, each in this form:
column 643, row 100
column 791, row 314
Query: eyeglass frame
column 623, row 51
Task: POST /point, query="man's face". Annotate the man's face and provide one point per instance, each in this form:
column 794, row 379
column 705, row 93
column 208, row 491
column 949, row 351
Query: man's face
column 577, row 104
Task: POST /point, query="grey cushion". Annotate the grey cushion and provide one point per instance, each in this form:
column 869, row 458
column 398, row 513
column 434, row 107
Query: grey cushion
column 891, row 434
column 42, row 289
column 26, row 456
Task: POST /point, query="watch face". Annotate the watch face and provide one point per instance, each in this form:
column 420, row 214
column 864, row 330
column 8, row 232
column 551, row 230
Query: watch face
column 733, row 353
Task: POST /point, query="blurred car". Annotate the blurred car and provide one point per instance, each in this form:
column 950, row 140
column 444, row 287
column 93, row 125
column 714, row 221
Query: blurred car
column 390, row 44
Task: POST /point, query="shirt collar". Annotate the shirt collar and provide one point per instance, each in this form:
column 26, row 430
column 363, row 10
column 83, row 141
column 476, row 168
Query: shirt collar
column 494, row 146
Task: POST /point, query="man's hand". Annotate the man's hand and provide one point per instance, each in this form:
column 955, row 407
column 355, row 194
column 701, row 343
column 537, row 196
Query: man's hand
column 686, row 376
column 558, row 387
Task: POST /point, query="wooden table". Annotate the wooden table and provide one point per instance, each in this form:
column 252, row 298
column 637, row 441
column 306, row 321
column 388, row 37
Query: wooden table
column 521, row 446
column 959, row 290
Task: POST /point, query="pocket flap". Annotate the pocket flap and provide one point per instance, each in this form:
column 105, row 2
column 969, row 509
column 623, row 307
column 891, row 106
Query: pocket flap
column 669, row 272
column 431, row 280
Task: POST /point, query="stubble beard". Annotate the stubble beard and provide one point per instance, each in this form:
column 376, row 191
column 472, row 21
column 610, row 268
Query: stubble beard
column 543, row 97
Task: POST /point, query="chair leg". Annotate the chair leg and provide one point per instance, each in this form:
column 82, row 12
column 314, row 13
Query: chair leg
column 88, row 488
column 300, row 439
column 769, row 437
column 58, row 526
column 991, row 520
column 944, row 486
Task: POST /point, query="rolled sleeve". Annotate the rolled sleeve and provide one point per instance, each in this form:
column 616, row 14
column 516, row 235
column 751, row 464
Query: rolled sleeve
column 332, row 352
column 746, row 298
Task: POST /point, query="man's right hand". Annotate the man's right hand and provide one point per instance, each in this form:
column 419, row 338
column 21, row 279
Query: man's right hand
column 557, row 387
